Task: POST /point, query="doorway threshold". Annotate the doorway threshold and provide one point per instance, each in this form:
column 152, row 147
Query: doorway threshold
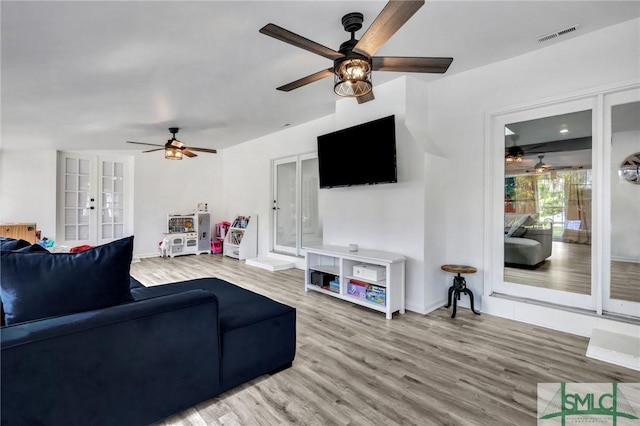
column 615, row 348
column 270, row 263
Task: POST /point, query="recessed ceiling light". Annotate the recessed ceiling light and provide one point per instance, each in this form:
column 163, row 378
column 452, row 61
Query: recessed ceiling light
column 564, row 131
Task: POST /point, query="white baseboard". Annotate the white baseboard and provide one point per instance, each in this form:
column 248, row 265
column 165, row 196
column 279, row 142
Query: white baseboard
column 419, row 309
column 424, row 309
column 139, row 256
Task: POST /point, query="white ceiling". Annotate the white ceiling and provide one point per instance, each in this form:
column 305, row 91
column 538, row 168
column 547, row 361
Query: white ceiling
column 91, row 75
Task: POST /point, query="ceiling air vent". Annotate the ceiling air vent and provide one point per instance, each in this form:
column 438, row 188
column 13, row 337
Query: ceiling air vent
column 553, row 35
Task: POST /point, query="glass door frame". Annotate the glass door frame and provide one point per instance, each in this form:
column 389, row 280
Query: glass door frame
column 298, row 250
column 95, row 193
column 494, row 222
column 609, row 305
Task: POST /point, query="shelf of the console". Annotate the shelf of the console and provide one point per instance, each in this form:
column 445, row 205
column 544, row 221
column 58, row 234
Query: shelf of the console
column 329, row 269
column 381, row 283
column 356, row 300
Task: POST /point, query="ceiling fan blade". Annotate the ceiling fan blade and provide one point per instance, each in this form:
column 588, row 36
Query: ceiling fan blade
column 365, row 98
column 152, row 150
column 299, row 41
column 177, row 143
column 306, row 80
column 408, row 64
column 211, row 151
column 393, row 16
column 188, row 153
column 144, row 143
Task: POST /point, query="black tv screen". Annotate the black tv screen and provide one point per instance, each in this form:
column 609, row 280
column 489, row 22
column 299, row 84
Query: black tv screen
column 360, row 155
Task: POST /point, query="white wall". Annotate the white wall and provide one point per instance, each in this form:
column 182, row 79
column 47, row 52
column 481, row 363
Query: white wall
column 625, row 201
column 165, row 187
column 458, row 106
column 28, row 189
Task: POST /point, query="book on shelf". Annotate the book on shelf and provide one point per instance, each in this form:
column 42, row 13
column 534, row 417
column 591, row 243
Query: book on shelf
column 241, row 222
column 235, row 237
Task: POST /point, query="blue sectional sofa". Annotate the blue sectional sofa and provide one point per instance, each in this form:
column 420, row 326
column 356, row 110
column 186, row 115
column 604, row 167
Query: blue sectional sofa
column 164, row 349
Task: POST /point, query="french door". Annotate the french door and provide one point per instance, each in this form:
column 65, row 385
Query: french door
column 94, row 199
column 296, row 219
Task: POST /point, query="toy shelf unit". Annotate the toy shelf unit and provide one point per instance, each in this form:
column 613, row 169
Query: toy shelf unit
column 241, row 240
column 370, row 278
column 189, row 233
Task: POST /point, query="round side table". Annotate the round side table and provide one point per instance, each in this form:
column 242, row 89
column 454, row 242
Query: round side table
column 459, row 286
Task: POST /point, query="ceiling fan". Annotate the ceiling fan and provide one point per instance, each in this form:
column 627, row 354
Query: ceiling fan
column 540, row 166
column 516, row 153
column 174, row 149
column 354, row 61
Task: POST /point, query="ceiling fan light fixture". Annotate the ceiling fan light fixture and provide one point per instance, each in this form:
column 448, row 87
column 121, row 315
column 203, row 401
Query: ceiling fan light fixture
column 514, row 155
column 352, row 77
column 539, row 167
column 173, row 153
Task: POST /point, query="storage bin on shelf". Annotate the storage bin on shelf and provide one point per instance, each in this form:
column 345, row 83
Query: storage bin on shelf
column 357, row 288
column 376, row 294
column 369, row 272
column 321, row 279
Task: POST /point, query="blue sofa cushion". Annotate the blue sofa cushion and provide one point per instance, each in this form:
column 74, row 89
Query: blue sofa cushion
column 33, row 248
column 238, row 306
column 37, row 285
column 258, row 334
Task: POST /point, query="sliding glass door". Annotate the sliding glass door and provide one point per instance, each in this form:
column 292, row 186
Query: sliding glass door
column 547, row 219
column 564, row 203
column 621, row 271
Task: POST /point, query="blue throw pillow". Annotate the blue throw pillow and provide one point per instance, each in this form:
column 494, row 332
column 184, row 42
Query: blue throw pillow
column 29, row 249
column 37, row 285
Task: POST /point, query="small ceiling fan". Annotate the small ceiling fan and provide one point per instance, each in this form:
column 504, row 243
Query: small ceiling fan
column 540, row 166
column 354, row 61
column 174, row 149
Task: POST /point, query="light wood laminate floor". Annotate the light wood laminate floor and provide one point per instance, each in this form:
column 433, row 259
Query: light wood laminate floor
column 354, row 367
column 569, row 269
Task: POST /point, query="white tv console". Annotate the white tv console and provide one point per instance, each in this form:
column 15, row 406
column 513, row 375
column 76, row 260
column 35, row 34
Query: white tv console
column 338, row 263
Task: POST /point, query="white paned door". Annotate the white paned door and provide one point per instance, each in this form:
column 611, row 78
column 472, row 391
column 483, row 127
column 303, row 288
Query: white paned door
column 94, row 196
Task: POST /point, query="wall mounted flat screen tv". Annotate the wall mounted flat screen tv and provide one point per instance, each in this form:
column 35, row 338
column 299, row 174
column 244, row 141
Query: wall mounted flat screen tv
column 360, row 155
